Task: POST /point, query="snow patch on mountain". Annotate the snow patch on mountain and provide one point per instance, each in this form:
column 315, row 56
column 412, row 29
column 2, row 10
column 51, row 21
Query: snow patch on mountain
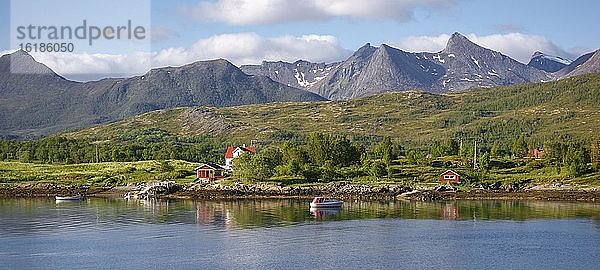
column 552, row 58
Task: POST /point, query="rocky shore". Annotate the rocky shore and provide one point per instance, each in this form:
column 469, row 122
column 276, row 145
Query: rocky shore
column 335, row 189
column 46, row 190
column 346, row 190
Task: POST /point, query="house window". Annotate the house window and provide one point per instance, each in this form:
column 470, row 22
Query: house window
column 449, row 177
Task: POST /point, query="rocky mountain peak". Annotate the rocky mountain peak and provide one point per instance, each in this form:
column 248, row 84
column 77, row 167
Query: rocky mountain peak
column 537, row 54
column 383, row 50
column 460, row 44
column 591, row 65
column 548, row 63
column 365, row 51
column 300, row 74
column 21, row 62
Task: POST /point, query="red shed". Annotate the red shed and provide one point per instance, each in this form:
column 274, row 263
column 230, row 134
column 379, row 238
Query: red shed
column 450, row 176
column 209, row 172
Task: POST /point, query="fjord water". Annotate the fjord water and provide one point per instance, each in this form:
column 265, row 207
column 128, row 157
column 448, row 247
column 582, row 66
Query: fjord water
column 101, row 233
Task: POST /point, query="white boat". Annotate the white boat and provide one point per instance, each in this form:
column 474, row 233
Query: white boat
column 322, row 202
column 69, row 198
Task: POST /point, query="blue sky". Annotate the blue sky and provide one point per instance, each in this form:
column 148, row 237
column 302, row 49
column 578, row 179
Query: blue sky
column 249, row 31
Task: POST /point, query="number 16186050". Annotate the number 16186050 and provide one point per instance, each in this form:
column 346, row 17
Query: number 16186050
column 47, row 47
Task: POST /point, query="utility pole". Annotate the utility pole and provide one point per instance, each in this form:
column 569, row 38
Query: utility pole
column 475, row 157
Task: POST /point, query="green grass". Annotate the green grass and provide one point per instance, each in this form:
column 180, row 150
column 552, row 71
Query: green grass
column 533, row 171
column 96, row 174
column 182, row 172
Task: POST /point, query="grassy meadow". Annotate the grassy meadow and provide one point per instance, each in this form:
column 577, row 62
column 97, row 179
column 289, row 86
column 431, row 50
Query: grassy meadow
column 97, row 174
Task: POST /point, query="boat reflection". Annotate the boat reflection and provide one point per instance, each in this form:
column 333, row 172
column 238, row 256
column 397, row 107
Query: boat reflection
column 321, row 213
column 450, row 212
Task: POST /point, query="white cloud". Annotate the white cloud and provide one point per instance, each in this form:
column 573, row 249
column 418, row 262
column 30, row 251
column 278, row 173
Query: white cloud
column 250, row 48
column 422, row 43
column 242, row 12
column 519, row 46
column 95, row 66
column 516, row 45
column 239, row 48
column 85, row 67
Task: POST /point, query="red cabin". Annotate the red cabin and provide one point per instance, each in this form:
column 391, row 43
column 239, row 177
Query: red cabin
column 210, row 172
column 450, row 176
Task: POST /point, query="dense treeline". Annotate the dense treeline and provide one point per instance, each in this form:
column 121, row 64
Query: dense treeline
column 334, row 157
column 60, row 150
column 320, row 158
column 316, row 157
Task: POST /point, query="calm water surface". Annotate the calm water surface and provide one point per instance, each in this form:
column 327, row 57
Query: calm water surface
column 283, row 234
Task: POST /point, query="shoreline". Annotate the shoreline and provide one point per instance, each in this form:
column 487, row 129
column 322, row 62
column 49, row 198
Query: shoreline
column 341, row 191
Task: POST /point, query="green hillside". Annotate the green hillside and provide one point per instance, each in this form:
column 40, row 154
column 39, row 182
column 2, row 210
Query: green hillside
column 408, row 138
column 540, row 112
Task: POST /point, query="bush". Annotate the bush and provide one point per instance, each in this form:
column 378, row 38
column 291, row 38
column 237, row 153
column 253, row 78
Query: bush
column 378, row 169
column 165, row 167
column 575, row 160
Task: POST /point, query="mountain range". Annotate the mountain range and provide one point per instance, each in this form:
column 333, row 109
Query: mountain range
column 461, row 65
column 40, row 102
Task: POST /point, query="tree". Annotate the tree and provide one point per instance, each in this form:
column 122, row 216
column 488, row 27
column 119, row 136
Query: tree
column 263, row 167
column 242, row 168
column 519, row 148
column 415, row 157
column 255, row 167
column 499, row 150
column 484, row 161
column 575, row 160
column 293, row 158
column 437, row 150
column 595, row 155
column 384, row 149
column 398, row 150
column 555, row 152
column 311, row 172
column 165, row 166
column 378, row 169
column 328, row 172
column 271, row 156
column 344, row 153
column 319, row 148
column 450, row 147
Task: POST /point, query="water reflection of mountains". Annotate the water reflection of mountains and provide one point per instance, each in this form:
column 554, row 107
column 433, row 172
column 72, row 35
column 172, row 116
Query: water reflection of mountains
column 33, row 215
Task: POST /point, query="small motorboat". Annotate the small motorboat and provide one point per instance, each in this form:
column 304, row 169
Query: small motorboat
column 322, row 202
column 78, row 197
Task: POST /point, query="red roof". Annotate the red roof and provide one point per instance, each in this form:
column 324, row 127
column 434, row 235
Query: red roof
column 450, row 172
column 230, row 149
column 209, row 165
column 229, row 153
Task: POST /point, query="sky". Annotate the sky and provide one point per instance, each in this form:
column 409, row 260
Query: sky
column 252, row 31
